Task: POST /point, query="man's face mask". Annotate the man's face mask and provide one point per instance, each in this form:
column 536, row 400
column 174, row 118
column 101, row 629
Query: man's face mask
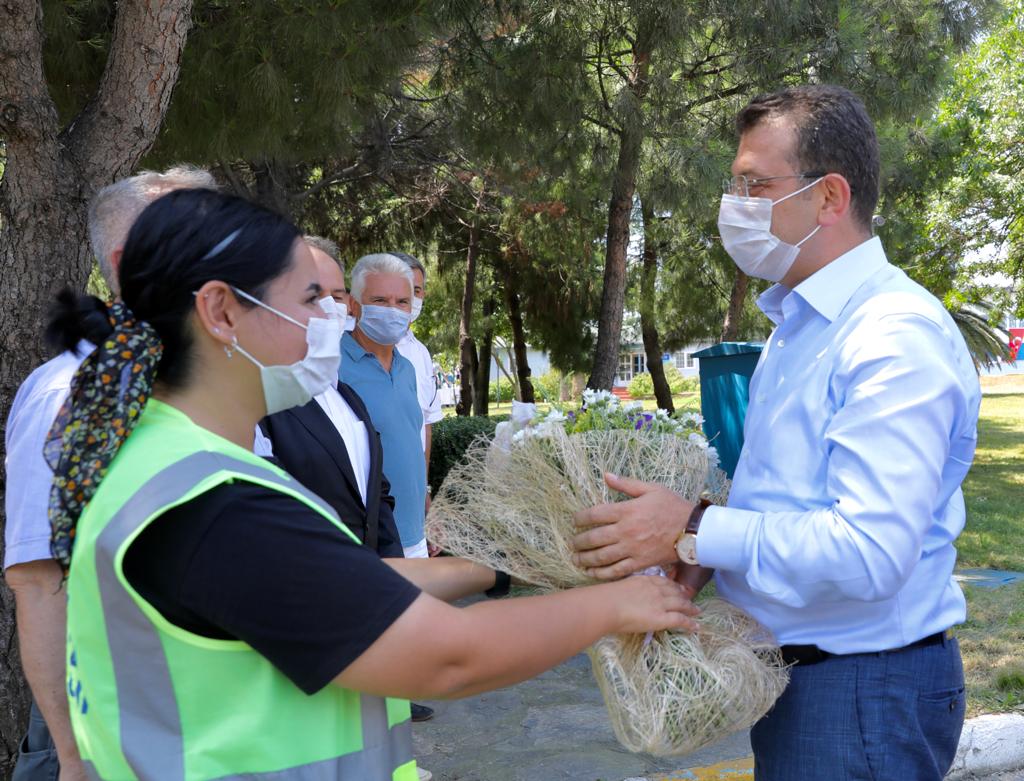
column 417, row 307
column 384, row 324
column 745, row 225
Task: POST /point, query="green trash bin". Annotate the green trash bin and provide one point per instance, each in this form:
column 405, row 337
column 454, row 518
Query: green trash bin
column 725, row 371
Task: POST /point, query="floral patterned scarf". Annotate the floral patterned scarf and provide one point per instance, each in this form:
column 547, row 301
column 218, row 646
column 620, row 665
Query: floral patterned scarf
column 108, row 392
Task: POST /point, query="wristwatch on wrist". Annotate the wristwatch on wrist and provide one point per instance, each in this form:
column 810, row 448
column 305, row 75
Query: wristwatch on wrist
column 686, row 545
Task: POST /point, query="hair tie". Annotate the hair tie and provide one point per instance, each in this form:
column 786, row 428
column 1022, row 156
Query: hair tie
column 108, row 393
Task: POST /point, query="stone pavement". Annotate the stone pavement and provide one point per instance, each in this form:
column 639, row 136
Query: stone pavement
column 555, row 727
column 550, row 728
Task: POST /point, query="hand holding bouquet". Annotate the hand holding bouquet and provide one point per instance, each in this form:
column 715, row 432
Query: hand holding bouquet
column 510, row 506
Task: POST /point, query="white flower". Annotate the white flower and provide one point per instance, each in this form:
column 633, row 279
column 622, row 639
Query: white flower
column 697, row 439
column 599, row 398
column 694, row 419
column 661, row 414
column 555, row 416
column 713, row 458
column 633, row 406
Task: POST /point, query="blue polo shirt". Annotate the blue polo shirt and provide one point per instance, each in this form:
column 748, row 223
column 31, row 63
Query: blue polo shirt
column 394, row 407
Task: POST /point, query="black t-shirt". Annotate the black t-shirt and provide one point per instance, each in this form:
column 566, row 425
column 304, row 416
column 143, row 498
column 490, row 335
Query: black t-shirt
column 246, row 562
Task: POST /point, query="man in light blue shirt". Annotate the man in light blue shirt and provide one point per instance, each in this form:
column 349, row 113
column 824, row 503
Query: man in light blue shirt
column 382, row 292
column 838, row 534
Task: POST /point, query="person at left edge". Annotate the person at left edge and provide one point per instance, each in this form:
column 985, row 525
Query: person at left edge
column 48, row 748
column 222, row 622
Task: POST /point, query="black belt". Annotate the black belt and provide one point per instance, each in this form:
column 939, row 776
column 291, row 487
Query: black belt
column 811, row 654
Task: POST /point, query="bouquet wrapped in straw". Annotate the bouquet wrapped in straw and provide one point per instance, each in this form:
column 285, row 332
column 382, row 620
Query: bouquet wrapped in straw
column 510, row 506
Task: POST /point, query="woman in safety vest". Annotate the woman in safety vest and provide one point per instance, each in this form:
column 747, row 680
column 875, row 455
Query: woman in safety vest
column 222, row 622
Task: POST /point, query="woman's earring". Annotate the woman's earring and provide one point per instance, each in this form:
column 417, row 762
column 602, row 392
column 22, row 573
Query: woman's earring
column 230, row 351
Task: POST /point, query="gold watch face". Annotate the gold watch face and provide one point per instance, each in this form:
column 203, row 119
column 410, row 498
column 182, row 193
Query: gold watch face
column 686, row 548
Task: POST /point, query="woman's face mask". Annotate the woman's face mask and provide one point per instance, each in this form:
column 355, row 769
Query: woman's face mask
column 293, row 385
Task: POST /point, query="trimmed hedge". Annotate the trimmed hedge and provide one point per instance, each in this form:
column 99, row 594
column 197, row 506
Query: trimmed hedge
column 642, row 386
column 450, row 438
column 505, row 386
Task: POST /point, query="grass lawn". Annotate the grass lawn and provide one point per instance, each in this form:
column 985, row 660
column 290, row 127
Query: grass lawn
column 992, row 639
column 685, row 401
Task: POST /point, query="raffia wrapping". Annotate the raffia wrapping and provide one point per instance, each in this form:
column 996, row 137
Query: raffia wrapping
column 511, row 508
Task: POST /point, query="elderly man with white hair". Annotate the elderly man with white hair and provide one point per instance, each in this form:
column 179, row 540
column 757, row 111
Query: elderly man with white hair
column 34, row 576
column 381, row 301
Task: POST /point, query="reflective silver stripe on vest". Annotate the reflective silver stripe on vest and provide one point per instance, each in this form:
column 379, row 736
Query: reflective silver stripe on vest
column 150, row 724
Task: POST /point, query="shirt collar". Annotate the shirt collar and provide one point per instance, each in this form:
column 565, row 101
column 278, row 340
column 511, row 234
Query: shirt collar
column 352, row 349
column 831, row 287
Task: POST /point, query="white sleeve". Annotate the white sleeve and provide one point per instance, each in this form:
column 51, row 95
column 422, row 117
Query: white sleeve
column 29, row 477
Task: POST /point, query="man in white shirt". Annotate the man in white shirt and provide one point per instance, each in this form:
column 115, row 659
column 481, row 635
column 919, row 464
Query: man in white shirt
column 330, row 445
column 414, row 351
column 30, row 571
column 838, row 534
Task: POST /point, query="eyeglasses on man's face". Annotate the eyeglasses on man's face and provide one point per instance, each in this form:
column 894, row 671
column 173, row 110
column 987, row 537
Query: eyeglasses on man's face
column 747, row 187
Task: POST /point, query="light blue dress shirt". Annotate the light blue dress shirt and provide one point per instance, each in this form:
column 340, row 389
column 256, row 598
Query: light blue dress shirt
column 846, row 500
column 394, row 407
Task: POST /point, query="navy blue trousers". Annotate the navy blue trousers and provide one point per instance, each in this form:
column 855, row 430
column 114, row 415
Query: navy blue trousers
column 37, row 757
column 891, row 716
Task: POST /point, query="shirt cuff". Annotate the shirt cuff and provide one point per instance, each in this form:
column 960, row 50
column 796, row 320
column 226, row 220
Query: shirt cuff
column 725, row 538
column 26, row 550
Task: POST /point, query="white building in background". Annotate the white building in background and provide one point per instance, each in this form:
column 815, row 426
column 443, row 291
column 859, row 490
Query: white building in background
column 632, row 361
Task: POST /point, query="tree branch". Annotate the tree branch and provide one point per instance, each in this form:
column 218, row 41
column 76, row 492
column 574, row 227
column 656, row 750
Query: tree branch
column 122, row 121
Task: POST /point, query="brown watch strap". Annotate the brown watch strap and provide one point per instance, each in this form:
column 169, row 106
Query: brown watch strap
column 693, row 523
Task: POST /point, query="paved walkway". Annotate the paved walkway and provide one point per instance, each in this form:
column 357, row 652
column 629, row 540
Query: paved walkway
column 551, row 728
column 555, row 727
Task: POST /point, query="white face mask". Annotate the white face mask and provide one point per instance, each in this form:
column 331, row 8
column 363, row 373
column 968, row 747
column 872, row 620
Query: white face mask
column 417, row 307
column 745, row 225
column 384, row 324
column 293, row 385
column 333, row 309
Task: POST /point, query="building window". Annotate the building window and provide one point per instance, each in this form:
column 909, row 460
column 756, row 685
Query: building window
column 625, row 367
column 684, row 360
column 630, row 365
column 639, row 363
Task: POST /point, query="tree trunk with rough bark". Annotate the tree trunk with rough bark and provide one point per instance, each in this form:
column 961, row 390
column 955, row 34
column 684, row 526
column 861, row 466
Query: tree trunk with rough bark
column 467, row 347
column 648, row 296
column 51, row 173
column 731, row 326
column 271, row 186
column 482, row 383
column 620, row 207
column 515, row 317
